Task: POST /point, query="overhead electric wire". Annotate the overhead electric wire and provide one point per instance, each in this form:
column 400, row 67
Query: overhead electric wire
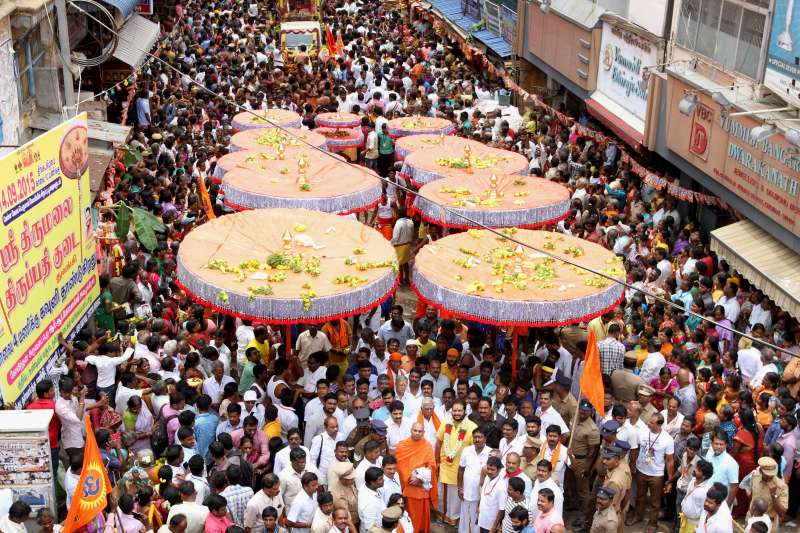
column 472, row 222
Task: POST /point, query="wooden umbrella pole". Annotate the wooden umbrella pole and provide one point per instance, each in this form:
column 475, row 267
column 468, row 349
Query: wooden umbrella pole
column 514, row 354
column 287, row 350
column 574, row 418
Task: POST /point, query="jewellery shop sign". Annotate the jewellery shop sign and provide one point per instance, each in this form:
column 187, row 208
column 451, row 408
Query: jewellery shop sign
column 624, row 55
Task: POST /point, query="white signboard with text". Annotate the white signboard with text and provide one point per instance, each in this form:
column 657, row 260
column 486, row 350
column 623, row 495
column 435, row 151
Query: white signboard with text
column 623, row 56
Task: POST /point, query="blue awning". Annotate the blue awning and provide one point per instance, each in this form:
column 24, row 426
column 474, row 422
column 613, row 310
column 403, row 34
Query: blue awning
column 451, row 10
column 495, row 43
column 124, row 7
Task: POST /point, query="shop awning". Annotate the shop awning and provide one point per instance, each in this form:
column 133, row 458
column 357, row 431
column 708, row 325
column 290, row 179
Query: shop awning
column 136, row 38
column 99, row 161
column 763, row 260
column 125, row 7
column 622, row 122
column 495, row 43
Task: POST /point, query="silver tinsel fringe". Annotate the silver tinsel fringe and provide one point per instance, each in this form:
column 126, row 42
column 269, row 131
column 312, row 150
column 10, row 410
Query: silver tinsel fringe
column 344, row 203
column 494, row 218
column 498, row 310
column 241, row 126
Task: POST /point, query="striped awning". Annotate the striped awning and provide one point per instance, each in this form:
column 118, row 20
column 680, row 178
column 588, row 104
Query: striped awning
column 763, row 260
column 136, row 39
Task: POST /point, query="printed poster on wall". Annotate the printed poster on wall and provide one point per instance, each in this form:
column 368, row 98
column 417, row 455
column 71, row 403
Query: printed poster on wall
column 782, row 73
column 145, row 7
column 623, row 57
column 47, row 253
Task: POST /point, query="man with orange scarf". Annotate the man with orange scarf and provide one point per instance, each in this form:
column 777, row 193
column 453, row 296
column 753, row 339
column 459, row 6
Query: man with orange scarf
column 416, row 465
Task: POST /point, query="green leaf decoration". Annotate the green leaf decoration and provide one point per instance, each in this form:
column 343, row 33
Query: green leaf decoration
column 130, row 156
column 148, row 219
column 123, row 224
column 145, row 234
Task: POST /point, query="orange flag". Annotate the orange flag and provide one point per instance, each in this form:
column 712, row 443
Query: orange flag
column 89, row 498
column 591, row 378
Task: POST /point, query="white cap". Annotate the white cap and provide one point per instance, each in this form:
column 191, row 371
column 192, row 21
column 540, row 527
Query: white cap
column 250, row 396
column 411, row 342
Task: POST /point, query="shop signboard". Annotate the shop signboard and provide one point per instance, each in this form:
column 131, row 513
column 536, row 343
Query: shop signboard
column 145, row 7
column 623, row 56
column 782, row 73
column 47, row 253
column 508, row 24
column 491, row 14
column 765, row 174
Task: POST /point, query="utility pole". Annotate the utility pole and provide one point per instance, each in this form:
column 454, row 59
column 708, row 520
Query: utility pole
column 63, row 45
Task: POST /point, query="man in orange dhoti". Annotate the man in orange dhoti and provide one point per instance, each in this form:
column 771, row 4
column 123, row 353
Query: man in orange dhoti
column 412, row 454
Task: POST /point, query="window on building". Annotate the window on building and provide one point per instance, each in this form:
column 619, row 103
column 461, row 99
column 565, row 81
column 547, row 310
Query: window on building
column 730, row 32
column 29, row 55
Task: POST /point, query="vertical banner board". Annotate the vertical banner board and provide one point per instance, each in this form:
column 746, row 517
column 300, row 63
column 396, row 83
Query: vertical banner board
column 49, row 279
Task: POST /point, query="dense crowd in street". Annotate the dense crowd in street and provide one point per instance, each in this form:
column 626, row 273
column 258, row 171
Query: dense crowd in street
column 404, row 419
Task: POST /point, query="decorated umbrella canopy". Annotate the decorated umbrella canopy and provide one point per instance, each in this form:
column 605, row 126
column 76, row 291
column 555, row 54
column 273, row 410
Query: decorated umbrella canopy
column 400, row 127
column 411, row 143
column 425, row 166
column 487, row 278
column 338, row 120
column 287, row 265
column 508, row 200
column 270, row 139
column 271, row 118
column 257, row 160
column 310, row 180
column 339, row 139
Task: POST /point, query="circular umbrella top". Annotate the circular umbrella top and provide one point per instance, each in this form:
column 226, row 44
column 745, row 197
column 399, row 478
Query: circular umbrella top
column 341, row 138
column 482, row 276
column 271, row 139
column 310, row 180
column 287, row 265
column 400, row 127
column 425, row 166
column 496, row 201
column 338, row 120
column 271, row 118
column 411, row 143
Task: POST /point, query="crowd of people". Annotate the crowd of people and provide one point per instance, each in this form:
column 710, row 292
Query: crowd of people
column 402, row 419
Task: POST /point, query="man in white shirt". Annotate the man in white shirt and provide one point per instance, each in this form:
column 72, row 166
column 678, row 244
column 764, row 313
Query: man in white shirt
column 656, row 451
column 391, row 479
column 549, row 416
column 244, row 334
column 654, row 362
column 372, row 458
column 473, row 460
column 70, row 410
column 511, row 441
column 106, row 363
column 430, row 420
column 729, row 301
column 767, row 365
column 397, row 426
column 224, row 352
column 214, row 385
column 291, row 476
column 492, row 494
column 716, row 515
column 323, row 447
column 544, row 480
column 692, row 503
column 315, row 423
column 749, row 363
column 194, row 512
column 282, row 456
column 370, row 503
column 304, row 506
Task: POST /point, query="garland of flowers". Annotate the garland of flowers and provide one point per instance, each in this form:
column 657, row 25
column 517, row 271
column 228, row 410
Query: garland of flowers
column 450, row 454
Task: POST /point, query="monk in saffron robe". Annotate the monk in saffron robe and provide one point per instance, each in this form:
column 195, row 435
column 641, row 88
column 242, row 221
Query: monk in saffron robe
column 417, row 453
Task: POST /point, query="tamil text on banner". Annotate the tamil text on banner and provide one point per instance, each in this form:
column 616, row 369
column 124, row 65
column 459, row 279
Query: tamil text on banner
column 49, row 282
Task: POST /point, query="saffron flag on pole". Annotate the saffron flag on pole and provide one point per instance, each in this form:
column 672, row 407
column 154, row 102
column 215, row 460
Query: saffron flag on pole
column 89, row 498
column 591, row 378
column 330, row 41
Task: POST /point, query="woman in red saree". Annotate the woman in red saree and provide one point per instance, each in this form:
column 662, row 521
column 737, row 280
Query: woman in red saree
column 748, row 443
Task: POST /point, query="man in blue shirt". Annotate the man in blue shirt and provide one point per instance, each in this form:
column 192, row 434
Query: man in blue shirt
column 726, row 469
column 205, row 425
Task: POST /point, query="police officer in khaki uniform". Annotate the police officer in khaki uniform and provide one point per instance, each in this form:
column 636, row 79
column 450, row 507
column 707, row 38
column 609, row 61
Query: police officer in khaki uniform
column 624, row 382
column 378, row 434
column 608, row 436
column 530, row 452
column 606, row 519
column 644, row 393
column 584, row 445
column 563, row 401
column 389, row 519
column 618, row 477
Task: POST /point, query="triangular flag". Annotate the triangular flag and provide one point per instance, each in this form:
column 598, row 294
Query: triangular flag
column 89, row 498
column 591, row 378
